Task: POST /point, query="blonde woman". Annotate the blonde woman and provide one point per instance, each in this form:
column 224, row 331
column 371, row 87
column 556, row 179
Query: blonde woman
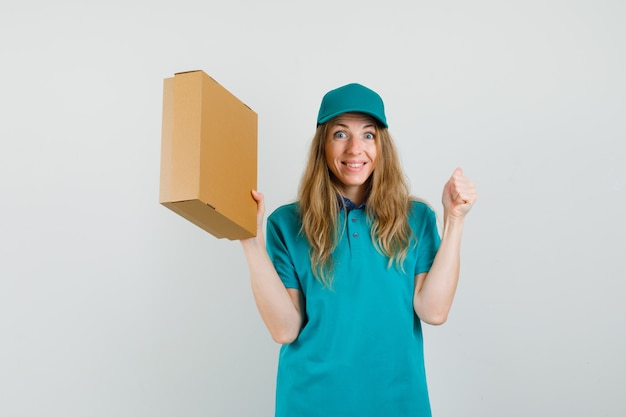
column 345, row 275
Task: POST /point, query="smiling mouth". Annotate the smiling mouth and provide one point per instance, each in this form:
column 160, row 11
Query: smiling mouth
column 354, row 165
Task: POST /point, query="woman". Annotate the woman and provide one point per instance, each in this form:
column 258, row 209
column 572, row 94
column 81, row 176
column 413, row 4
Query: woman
column 352, row 269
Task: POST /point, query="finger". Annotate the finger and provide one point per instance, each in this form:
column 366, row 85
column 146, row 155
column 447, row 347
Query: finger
column 459, row 198
column 256, row 195
column 463, row 190
column 468, row 193
column 260, row 204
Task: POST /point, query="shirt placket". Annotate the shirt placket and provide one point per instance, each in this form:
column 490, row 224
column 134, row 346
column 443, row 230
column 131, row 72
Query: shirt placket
column 356, row 233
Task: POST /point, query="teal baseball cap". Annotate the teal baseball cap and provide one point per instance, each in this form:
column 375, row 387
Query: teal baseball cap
column 352, row 98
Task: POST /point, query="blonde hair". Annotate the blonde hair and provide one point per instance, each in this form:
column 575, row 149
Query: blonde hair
column 387, row 208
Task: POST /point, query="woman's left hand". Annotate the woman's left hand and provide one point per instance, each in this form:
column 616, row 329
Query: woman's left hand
column 459, row 194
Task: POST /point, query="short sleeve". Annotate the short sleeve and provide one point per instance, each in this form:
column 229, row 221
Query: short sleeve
column 425, row 228
column 278, row 233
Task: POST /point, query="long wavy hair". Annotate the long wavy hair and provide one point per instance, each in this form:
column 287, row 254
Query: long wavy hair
column 387, row 208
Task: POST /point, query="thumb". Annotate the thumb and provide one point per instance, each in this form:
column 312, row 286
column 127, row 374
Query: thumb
column 260, row 204
column 258, row 197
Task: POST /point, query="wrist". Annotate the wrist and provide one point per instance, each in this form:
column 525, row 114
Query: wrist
column 452, row 221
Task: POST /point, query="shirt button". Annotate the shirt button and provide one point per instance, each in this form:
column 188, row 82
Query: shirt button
column 355, row 235
column 354, row 220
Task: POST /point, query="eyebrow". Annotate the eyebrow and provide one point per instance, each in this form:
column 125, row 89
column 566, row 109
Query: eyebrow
column 364, row 127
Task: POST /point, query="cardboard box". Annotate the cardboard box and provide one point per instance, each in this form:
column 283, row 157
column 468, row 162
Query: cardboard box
column 208, row 156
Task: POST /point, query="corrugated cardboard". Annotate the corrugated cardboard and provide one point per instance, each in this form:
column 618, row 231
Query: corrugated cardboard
column 208, row 156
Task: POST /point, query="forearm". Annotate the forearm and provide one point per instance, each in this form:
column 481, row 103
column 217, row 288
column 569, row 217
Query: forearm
column 277, row 309
column 433, row 298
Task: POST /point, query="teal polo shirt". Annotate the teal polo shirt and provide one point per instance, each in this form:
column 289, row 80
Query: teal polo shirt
column 360, row 350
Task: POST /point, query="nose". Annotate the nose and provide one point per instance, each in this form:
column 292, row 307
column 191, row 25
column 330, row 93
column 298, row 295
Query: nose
column 354, row 146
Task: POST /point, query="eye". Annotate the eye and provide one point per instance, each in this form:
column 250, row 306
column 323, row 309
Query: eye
column 370, row 136
column 340, row 135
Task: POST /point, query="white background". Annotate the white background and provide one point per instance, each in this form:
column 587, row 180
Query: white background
column 112, row 305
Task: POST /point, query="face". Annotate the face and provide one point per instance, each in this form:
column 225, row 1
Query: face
column 351, row 153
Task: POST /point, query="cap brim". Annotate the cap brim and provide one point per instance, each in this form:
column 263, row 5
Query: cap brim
column 352, row 110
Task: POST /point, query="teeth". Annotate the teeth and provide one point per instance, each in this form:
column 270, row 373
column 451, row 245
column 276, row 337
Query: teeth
column 355, row 165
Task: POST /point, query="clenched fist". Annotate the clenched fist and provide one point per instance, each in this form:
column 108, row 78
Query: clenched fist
column 459, row 194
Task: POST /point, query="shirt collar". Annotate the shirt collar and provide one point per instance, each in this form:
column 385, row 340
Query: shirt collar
column 349, row 205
